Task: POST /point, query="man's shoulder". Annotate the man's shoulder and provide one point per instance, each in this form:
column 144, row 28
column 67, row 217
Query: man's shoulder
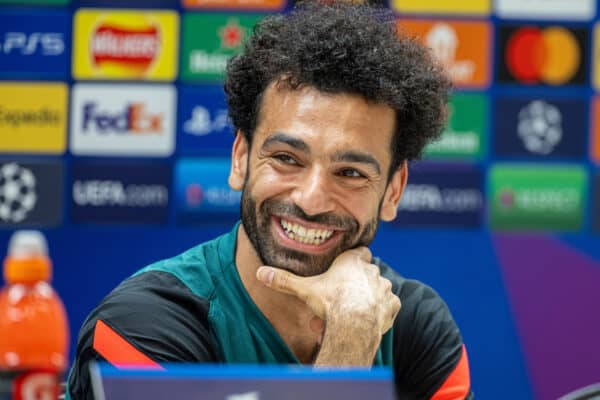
column 198, row 268
column 411, row 292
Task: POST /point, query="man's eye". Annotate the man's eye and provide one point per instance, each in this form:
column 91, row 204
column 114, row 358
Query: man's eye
column 351, row 173
column 286, row 159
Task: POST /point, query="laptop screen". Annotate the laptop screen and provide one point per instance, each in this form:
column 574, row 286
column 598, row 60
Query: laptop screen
column 228, row 382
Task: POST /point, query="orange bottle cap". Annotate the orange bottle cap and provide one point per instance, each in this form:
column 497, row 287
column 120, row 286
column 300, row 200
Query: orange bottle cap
column 27, row 259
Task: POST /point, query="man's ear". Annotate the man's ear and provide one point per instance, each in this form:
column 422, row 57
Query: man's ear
column 393, row 193
column 239, row 162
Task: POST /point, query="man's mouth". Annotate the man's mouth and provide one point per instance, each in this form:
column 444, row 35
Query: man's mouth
column 305, row 235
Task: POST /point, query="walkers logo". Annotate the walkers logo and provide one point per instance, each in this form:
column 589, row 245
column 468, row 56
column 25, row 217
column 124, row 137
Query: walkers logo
column 34, row 44
column 537, row 198
column 204, row 127
column 125, row 45
column 460, row 46
column 449, row 196
column 267, row 5
column 123, row 120
column 209, row 41
column 549, row 55
column 470, row 7
column 546, row 9
column 595, row 151
column 464, row 137
column 540, row 128
column 203, row 193
column 120, row 192
column 33, row 118
column 596, row 204
column 30, row 194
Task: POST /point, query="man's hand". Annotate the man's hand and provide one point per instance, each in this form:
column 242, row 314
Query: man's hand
column 355, row 302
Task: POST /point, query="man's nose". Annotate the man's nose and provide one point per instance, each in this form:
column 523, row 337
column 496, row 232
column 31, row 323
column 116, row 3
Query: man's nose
column 313, row 193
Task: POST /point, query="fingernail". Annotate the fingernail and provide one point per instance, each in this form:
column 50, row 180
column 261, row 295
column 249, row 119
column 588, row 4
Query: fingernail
column 266, row 275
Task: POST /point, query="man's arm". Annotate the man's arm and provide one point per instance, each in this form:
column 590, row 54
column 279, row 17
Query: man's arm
column 355, row 303
column 150, row 318
column 430, row 359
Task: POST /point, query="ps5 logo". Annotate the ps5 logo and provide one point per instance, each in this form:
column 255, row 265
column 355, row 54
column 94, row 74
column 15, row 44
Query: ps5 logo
column 44, row 43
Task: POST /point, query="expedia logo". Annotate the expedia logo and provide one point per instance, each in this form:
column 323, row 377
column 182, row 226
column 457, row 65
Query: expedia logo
column 551, row 55
column 134, row 119
column 133, row 48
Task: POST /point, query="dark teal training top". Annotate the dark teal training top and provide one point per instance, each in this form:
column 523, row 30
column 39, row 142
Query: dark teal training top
column 194, row 308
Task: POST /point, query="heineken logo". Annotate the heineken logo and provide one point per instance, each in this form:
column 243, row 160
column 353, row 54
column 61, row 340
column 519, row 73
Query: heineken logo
column 231, row 34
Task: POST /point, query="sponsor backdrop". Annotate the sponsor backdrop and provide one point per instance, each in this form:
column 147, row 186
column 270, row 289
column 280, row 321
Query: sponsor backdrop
column 115, row 141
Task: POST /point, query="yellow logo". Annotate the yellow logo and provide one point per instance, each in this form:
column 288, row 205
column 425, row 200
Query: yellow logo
column 33, row 118
column 471, row 7
column 596, row 62
column 126, row 45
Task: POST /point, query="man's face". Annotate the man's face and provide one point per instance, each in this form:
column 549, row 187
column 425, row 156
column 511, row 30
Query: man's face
column 315, row 178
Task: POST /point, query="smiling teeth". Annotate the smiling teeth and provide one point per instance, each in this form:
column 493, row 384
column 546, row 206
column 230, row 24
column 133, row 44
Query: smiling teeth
column 303, row 235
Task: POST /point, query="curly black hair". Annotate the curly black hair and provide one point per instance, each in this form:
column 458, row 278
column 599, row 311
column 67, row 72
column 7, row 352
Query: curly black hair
column 343, row 48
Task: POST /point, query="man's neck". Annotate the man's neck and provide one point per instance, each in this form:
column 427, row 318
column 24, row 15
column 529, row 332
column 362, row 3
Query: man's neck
column 289, row 316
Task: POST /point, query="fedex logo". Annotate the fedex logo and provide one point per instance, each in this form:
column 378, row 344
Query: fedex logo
column 123, row 120
column 41, row 43
column 134, row 119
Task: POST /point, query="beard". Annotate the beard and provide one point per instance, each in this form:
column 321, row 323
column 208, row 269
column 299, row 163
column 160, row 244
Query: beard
column 257, row 224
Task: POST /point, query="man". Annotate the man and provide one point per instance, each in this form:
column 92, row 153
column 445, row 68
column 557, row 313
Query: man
column 329, row 105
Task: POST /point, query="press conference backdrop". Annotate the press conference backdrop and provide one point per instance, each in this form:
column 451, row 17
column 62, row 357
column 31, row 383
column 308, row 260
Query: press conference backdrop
column 114, row 140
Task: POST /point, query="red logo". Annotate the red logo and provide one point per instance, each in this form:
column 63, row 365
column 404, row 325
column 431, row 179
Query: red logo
column 135, row 47
column 36, row 386
column 231, row 34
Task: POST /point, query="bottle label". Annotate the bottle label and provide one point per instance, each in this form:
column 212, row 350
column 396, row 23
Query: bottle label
column 29, row 385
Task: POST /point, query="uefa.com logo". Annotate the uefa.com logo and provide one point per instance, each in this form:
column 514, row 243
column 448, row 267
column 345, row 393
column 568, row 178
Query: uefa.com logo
column 103, row 192
column 123, row 120
column 440, row 195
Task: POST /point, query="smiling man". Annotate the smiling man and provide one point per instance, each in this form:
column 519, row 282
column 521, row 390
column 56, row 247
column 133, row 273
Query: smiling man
column 329, row 104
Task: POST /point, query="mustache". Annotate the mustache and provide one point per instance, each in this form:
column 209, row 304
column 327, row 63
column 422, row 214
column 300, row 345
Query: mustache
column 335, row 221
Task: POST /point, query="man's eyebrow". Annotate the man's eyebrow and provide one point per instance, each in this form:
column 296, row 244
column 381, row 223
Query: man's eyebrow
column 357, row 157
column 280, row 137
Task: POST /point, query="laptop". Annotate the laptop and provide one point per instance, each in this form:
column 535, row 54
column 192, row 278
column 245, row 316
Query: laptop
column 235, row 382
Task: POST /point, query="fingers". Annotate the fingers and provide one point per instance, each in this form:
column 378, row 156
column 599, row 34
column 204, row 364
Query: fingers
column 283, row 281
column 394, row 306
column 363, row 253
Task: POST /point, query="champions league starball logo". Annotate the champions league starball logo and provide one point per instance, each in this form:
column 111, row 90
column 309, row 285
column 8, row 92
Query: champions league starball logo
column 540, row 127
column 17, row 193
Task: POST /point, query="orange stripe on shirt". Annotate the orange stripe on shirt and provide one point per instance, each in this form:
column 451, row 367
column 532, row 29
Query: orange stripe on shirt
column 458, row 383
column 118, row 351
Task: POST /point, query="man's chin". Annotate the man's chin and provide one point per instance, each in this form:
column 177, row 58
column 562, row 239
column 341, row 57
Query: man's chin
column 301, row 264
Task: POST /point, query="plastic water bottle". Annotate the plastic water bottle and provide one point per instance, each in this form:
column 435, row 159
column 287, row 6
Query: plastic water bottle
column 34, row 332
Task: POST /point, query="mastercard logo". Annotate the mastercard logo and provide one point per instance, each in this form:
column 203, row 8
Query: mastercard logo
column 551, row 55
